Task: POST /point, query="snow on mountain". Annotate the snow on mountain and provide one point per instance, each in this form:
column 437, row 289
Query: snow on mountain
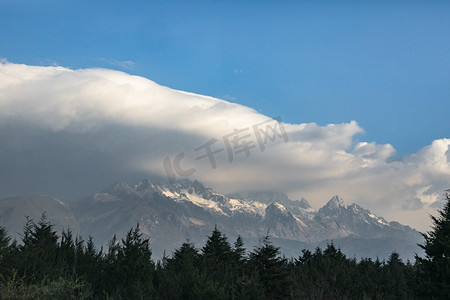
column 206, row 198
column 300, row 208
column 171, row 213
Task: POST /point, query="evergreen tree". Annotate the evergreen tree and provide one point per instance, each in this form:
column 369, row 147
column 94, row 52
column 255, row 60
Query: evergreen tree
column 39, row 250
column 251, row 287
column 5, row 251
column 395, row 277
column 217, row 251
column 272, row 270
column 434, row 269
column 110, row 270
column 182, row 279
column 326, row 274
column 90, row 265
column 136, row 266
column 244, row 285
column 224, row 264
column 67, row 256
column 219, row 261
column 239, row 248
column 184, row 273
column 43, row 268
column 370, row 282
column 4, row 240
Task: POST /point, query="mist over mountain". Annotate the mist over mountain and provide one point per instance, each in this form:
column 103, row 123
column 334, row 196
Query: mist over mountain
column 187, row 210
column 70, row 132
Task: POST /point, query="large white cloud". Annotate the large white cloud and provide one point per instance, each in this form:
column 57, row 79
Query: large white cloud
column 68, row 127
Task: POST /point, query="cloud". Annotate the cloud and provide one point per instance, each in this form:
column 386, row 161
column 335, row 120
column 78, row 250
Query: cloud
column 412, row 204
column 69, row 133
column 229, row 97
column 126, row 64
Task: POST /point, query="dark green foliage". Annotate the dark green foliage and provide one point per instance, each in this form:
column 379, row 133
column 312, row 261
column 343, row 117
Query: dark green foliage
column 220, row 262
column 434, row 269
column 4, row 241
column 15, row 288
column 239, row 248
column 39, row 251
column 135, row 266
column 271, row 269
column 46, row 265
column 5, row 252
column 395, row 281
column 181, row 278
column 325, row 274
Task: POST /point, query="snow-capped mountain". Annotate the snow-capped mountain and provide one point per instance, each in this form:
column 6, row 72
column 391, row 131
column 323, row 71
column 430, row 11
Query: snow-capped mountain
column 171, row 213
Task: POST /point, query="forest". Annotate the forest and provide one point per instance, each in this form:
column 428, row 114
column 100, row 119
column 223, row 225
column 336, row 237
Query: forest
column 46, row 265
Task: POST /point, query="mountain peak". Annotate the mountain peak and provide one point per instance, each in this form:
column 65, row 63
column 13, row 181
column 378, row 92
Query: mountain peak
column 335, row 202
column 198, row 187
column 173, row 212
column 193, row 187
column 145, row 184
column 118, row 187
column 305, row 204
column 276, row 208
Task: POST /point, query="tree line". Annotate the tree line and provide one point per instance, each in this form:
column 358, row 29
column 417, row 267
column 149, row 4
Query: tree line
column 45, row 265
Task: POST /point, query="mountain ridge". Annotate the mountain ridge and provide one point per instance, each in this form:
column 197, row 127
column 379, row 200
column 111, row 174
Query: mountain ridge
column 171, row 213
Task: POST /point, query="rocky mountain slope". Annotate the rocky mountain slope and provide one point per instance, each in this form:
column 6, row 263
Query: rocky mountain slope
column 171, row 213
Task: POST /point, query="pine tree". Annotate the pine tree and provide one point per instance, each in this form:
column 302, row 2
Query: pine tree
column 4, row 252
column 272, row 270
column 90, row 265
column 239, row 248
column 67, row 256
column 434, row 269
column 110, row 268
column 39, row 250
column 4, row 239
column 184, row 266
column 218, row 259
column 181, row 278
column 395, row 277
column 136, row 266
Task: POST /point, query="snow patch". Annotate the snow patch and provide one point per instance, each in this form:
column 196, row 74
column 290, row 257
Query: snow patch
column 280, row 207
column 169, row 194
column 253, row 207
column 196, row 221
column 300, row 222
column 199, row 201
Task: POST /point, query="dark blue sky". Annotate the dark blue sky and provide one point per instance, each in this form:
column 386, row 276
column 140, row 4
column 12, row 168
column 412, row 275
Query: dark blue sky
column 385, row 65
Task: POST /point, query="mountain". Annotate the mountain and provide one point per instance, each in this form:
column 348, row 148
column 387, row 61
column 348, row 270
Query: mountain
column 14, row 210
column 171, row 213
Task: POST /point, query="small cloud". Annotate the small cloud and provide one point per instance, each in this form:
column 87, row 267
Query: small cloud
column 126, row 64
column 437, row 204
column 412, row 204
column 48, row 62
column 238, row 71
column 3, row 60
column 229, row 97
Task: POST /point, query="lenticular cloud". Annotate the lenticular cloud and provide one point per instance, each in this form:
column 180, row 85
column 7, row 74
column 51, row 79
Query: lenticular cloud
column 72, row 127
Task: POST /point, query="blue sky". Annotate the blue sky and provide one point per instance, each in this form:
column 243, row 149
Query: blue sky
column 385, row 65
